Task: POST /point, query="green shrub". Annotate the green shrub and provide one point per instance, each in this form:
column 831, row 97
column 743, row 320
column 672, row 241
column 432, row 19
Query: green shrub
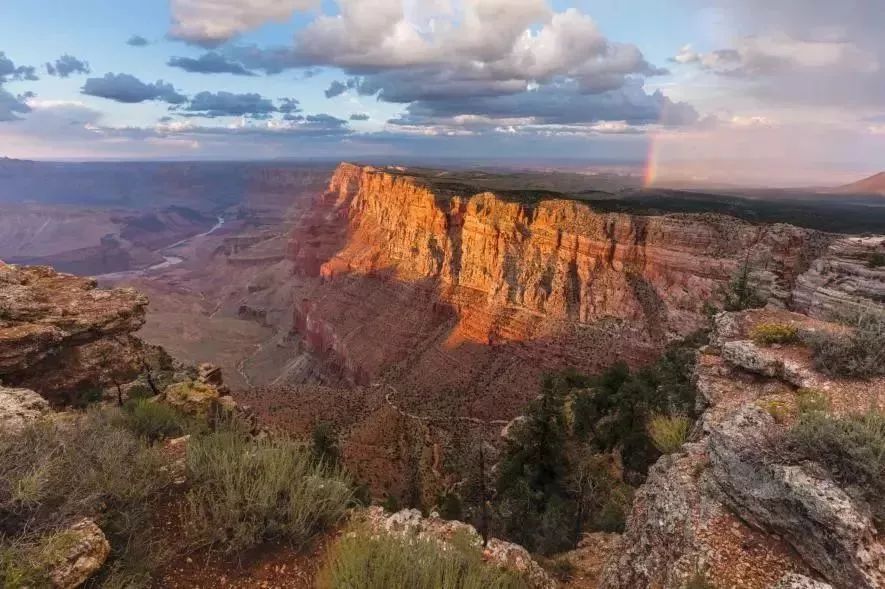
column 852, row 448
column 859, row 353
column 366, row 560
column 245, row 491
column 812, row 400
column 154, row 421
column 876, row 260
column 774, row 333
column 669, row 432
column 324, row 443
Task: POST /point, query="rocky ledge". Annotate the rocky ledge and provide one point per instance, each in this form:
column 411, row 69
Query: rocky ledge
column 735, row 504
column 61, row 335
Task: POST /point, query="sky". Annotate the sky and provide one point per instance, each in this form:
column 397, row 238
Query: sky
column 756, row 92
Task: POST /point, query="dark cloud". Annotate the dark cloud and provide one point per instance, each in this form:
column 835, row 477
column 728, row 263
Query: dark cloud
column 228, row 104
column 210, row 63
column 326, row 120
column 137, row 41
column 359, row 116
column 11, row 106
column 66, row 65
column 129, row 89
column 9, row 71
column 288, row 105
column 335, row 89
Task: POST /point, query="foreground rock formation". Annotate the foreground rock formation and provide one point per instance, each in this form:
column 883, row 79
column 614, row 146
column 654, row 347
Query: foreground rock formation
column 736, row 505
column 60, row 335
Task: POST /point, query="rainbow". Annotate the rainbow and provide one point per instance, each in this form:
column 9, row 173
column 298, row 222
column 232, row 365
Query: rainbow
column 651, row 162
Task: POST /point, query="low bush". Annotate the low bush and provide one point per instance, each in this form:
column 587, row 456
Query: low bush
column 852, row 448
column 366, row 560
column 876, row 260
column 154, row 421
column 774, row 333
column 859, row 353
column 669, row 432
column 246, row 490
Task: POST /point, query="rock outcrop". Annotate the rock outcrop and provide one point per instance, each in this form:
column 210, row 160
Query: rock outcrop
column 18, row 407
column 736, row 503
column 59, row 334
column 844, row 279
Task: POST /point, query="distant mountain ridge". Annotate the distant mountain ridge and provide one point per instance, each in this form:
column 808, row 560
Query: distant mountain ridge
column 875, row 184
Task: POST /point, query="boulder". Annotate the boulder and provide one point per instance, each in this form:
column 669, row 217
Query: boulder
column 20, row 406
column 79, row 552
column 830, row 531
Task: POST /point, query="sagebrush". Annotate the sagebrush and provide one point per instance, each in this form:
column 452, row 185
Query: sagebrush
column 858, row 353
column 246, row 490
column 375, row 560
column 852, row 448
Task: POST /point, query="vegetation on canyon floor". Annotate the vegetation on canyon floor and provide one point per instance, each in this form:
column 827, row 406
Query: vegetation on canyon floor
column 571, row 464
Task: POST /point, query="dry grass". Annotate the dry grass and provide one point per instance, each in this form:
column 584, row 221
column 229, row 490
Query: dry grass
column 669, row 432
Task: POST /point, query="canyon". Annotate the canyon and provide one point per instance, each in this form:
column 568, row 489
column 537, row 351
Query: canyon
column 416, row 312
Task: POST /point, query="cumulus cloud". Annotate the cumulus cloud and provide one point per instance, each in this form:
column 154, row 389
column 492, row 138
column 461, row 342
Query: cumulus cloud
column 210, row 63
column 228, row 104
column 9, row 71
column 472, row 58
column 137, row 41
column 127, row 88
column 212, row 22
column 66, row 65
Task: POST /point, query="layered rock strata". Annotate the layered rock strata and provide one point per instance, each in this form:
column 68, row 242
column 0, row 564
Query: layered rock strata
column 60, row 335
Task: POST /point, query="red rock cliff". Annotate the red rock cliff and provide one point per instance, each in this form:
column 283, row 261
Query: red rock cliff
column 420, row 282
